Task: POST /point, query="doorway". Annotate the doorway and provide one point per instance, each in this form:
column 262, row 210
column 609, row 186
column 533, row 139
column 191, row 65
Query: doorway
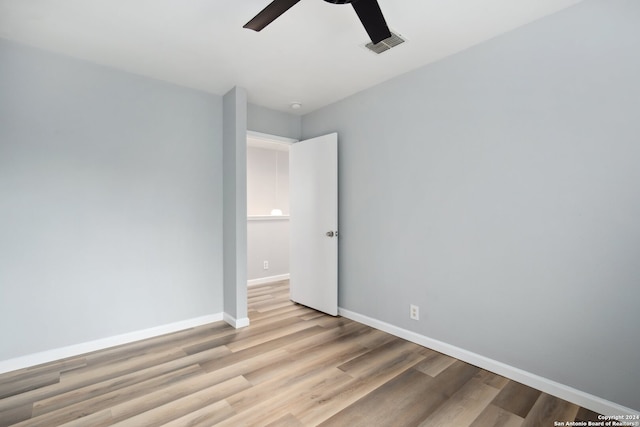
column 267, row 208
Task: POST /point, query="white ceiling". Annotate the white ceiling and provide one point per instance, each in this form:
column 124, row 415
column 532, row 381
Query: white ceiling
column 313, row 53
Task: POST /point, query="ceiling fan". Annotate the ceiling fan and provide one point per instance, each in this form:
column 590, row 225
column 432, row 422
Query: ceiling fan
column 368, row 11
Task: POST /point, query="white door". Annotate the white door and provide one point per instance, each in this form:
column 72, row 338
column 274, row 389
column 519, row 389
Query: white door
column 313, row 198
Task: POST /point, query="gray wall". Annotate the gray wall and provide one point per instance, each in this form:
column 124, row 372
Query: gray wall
column 267, row 240
column 265, row 120
column 110, row 202
column 499, row 192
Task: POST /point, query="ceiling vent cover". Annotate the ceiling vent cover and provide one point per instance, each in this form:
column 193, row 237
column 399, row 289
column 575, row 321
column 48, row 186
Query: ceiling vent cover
column 385, row 44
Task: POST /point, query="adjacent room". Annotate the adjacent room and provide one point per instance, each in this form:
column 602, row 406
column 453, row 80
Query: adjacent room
column 488, row 208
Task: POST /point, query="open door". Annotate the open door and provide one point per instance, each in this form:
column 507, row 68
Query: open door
column 313, row 189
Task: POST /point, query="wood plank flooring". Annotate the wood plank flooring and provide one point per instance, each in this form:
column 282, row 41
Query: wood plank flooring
column 292, row 367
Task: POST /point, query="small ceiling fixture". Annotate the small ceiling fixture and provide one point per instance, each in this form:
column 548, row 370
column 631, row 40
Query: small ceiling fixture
column 295, row 105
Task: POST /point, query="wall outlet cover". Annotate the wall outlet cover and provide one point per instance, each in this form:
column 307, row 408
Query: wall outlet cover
column 414, row 312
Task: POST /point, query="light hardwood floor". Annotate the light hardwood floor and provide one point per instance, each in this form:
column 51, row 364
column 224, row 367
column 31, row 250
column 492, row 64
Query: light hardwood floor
column 292, row 367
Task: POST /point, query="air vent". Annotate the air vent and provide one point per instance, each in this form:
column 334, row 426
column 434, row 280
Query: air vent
column 385, row 44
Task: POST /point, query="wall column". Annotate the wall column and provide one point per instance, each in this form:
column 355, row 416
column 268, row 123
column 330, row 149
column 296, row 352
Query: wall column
column 234, row 181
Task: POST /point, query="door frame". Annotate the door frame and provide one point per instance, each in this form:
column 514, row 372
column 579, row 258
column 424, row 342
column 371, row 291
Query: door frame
column 263, row 140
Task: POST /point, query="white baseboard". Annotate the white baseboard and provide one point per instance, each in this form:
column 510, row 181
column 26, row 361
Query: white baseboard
column 236, row 323
column 270, row 279
column 100, row 344
column 562, row 391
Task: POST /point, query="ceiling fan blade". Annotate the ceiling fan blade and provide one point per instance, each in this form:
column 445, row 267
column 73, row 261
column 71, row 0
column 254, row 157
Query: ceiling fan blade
column 371, row 17
column 269, row 14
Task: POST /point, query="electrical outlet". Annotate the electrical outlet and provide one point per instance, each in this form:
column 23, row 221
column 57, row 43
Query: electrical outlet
column 414, row 312
column 265, row 265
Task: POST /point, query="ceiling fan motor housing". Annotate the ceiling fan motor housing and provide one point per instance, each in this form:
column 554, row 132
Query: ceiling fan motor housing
column 339, row 1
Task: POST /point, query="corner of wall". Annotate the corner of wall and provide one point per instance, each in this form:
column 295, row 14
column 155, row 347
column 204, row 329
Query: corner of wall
column 234, row 171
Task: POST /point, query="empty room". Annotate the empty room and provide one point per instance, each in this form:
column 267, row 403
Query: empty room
column 454, row 197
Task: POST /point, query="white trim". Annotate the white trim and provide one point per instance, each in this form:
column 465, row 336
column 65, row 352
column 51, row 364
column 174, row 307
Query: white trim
column 236, row 323
column 268, row 218
column 270, row 138
column 270, row 279
column 562, row 391
column 103, row 343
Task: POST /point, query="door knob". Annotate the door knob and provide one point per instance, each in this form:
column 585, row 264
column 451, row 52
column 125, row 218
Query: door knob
column 329, row 233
